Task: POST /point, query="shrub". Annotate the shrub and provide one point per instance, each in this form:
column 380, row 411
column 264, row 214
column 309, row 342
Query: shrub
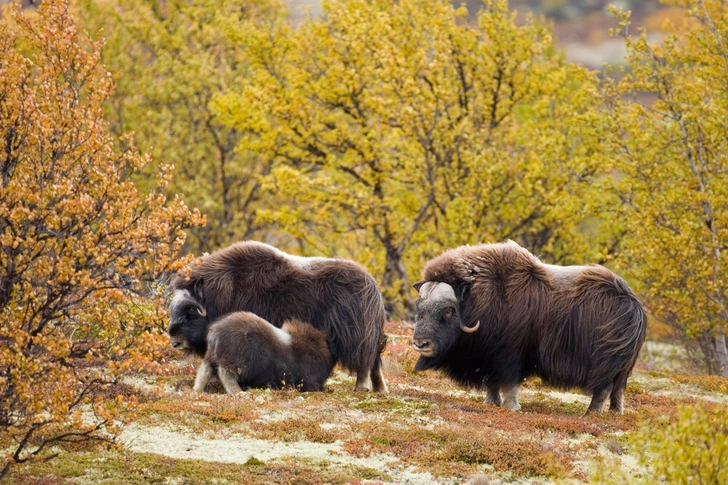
column 691, row 449
column 82, row 246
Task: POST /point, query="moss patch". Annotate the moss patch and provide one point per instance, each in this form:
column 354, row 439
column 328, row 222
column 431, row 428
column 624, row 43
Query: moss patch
column 127, row 468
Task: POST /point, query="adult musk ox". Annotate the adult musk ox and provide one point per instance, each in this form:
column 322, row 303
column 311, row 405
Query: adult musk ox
column 491, row 315
column 246, row 352
column 337, row 296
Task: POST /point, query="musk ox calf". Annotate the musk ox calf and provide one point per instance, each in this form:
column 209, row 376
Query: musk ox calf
column 491, row 315
column 247, row 352
column 337, row 296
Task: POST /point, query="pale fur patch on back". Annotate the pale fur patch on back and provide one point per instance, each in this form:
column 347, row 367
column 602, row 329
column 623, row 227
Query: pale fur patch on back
column 564, row 274
column 300, row 262
column 437, row 291
column 282, row 336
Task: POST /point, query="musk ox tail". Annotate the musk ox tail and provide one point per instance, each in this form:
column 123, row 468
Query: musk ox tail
column 619, row 339
column 633, row 341
column 373, row 316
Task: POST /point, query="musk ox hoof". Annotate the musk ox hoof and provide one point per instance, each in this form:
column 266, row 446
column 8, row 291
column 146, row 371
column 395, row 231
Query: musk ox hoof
column 492, row 400
column 363, row 382
column 512, row 406
column 382, row 389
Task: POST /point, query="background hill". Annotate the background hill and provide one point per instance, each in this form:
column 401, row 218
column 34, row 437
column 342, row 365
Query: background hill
column 581, row 27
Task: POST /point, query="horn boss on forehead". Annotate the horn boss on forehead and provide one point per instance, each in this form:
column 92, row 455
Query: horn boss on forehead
column 436, row 290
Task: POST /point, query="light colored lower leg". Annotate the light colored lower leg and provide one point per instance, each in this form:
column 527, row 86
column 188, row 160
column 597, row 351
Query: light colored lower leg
column 598, row 398
column 616, row 401
column 204, row 374
column 363, row 382
column 378, row 382
column 510, row 398
column 229, row 380
column 492, row 395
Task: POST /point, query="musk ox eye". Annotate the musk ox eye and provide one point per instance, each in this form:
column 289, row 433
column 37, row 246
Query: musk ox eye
column 447, row 314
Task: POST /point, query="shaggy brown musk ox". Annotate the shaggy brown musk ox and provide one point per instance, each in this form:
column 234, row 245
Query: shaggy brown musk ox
column 491, row 315
column 246, row 352
column 337, row 296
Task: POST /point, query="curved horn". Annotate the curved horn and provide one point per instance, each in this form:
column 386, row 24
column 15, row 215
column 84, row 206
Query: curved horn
column 201, row 310
column 470, row 329
column 409, row 325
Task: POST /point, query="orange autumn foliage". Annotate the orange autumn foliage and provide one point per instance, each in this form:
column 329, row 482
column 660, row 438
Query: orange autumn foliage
column 82, row 249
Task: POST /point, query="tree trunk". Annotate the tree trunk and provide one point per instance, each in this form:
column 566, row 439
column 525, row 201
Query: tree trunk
column 395, row 277
column 707, row 351
column 721, row 353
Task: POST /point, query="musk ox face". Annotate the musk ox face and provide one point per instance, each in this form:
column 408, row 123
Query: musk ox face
column 187, row 323
column 438, row 324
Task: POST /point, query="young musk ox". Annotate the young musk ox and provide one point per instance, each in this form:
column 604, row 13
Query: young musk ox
column 491, row 315
column 246, row 352
column 337, row 296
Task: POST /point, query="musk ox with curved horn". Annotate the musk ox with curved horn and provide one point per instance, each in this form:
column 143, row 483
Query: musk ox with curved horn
column 491, row 315
column 338, row 296
column 246, row 352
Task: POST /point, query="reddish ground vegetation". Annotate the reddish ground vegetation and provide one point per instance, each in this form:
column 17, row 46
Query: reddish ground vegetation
column 425, row 425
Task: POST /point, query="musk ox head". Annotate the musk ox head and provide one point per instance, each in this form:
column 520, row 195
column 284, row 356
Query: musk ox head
column 187, row 323
column 438, row 323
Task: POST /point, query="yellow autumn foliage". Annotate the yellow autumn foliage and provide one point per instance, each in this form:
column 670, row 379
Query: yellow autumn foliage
column 693, row 448
column 397, row 130
column 668, row 120
column 168, row 59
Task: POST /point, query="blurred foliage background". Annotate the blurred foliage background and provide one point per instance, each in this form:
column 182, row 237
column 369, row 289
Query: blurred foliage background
column 387, row 133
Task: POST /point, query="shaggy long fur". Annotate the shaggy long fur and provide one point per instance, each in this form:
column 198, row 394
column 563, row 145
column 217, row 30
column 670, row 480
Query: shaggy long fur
column 260, row 355
column 339, row 297
column 576, row 326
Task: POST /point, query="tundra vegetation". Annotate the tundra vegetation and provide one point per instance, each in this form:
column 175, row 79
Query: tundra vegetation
column 383, row 132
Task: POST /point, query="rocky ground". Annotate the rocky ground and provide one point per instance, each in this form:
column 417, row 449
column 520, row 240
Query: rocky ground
column 427, row 430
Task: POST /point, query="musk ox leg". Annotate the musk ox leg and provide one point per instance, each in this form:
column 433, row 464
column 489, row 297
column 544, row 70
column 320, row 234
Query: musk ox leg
column 598, row 398
column 616, row 400
column 363, row 381
column 492, row 395
column 204, row 374
column 378, row 382
column 510, row 398
column 229, row 380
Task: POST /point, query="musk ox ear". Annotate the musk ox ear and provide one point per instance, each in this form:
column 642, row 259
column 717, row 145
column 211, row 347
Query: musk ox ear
column 197, row 290
column 418, row 285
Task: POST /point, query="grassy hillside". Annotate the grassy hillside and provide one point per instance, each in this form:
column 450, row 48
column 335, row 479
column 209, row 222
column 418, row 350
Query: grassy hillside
column 427, row 430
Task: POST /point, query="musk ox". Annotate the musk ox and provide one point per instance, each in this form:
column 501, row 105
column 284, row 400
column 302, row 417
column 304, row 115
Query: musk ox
column 491, row 315
column 338, row 297
column 246, row 352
